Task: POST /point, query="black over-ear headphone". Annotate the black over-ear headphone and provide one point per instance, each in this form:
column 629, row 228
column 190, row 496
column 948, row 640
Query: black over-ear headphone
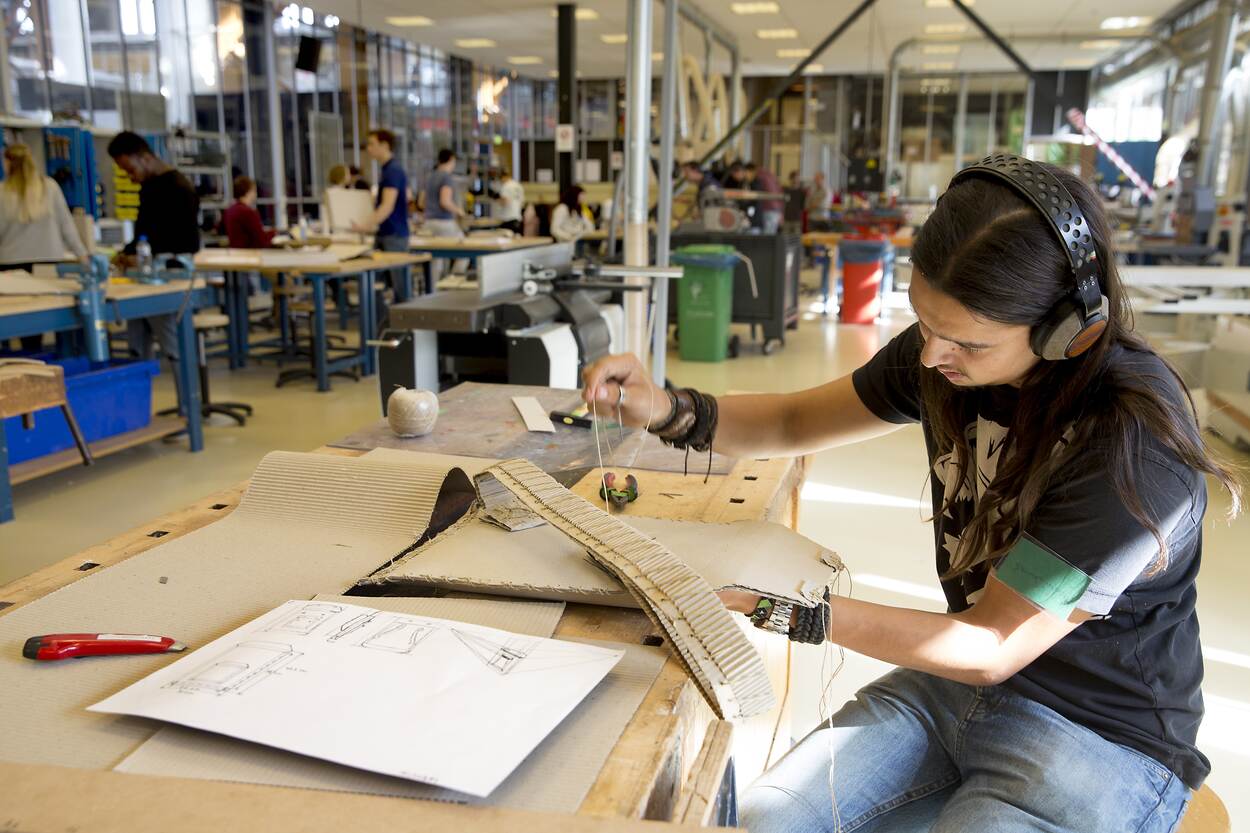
column 1075, row 323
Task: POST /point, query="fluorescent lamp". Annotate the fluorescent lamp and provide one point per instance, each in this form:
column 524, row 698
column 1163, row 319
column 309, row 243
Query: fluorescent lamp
column 475, row 43
column 777, row 34
column 411, row 20
column 945, row 28
column 813, row 69
column 1077, row 63
column 942, row 49
column 754, row 8
column 1126, row 22
column 521, row 60
column 614, row 38
column 1104, row 43
column 938, row 66
column 580, row 14
column 793, row 53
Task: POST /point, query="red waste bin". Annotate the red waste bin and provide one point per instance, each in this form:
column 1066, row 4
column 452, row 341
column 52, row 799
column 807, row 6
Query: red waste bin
column 863, row 265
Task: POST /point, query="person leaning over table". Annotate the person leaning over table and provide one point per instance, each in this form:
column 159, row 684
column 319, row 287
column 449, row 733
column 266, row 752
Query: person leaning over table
column 169, row 211
column 442, row 213
column 1061, row 689
column 35, row 223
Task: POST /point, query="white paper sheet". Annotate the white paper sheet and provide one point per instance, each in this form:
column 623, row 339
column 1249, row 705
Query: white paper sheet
column 430, row 700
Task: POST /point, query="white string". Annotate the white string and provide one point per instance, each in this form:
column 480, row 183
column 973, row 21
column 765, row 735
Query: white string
column 824, row 708
column 594, row 405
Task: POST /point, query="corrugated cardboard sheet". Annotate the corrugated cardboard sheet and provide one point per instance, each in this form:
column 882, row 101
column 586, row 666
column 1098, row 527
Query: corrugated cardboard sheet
column 309, row 523
column 555, row 777
column 542, row 562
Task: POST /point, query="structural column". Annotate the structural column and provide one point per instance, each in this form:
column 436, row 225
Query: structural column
column 637, row 168
column 1219, row 56
column 664, row 199
column 275, row 124
column 566, row 85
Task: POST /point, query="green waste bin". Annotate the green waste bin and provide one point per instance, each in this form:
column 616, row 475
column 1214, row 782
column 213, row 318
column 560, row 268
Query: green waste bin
column 705, row 296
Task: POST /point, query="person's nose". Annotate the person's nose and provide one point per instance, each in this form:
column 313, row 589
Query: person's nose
column 936, row 352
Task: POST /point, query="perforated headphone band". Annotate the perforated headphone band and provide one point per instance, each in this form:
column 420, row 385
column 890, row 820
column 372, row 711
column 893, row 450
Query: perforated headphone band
column 1063, row 215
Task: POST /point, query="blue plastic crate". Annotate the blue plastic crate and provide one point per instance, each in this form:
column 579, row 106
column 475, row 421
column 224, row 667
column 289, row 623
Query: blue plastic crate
column 108, row 398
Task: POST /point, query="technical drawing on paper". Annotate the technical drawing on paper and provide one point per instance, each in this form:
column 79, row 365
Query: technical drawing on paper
column 305, row 619
column 238, row 669
column 400, row 636
column 501, row 656
column 353, row 625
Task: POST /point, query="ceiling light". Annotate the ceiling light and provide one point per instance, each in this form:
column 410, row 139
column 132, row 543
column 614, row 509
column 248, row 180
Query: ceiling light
column 1077, row 63
column 813, row 69
column 942, row 49
column 945, row 28
column 616, row 38
column 793, row 53
column 580, row 14
column 935, row 82
column 1126, row 22
column 1104, row 43
column 554, row 73
column 938, row 66
column 521, row 60
column 411, row 20
column 946, row 4
column 755, row 8
column 777, row 34
column 657, row 56
column 475, row 43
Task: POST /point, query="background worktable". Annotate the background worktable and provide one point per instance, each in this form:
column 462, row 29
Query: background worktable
column 661, row 767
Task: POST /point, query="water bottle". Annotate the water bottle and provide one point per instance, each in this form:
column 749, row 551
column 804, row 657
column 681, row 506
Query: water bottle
column 143, row 254
column 303, row 228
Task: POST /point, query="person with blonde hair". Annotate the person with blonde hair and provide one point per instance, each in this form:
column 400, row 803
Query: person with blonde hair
column 35, row 223
column 339, row 177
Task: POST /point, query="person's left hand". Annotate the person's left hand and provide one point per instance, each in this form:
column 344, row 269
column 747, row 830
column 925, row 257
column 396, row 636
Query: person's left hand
column 739, row 601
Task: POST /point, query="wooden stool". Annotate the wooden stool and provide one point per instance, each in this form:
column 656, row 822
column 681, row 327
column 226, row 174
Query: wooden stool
column 1206, row 814
column 28, row 386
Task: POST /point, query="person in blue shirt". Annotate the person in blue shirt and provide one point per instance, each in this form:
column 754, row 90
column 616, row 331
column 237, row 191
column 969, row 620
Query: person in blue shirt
column 390, row 214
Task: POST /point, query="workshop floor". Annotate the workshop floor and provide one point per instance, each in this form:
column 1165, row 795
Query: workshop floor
column 864, row 501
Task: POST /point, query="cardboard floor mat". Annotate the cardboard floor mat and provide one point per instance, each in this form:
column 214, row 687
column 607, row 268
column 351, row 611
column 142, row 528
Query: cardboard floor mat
column 542, row 562
column 555, row 777
column 309, row 523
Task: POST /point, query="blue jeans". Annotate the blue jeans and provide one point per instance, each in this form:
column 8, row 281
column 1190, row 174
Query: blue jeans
column 914, row 752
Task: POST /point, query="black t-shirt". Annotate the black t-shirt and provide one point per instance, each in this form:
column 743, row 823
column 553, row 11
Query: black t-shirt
column 169, row 215
column 1133, row 673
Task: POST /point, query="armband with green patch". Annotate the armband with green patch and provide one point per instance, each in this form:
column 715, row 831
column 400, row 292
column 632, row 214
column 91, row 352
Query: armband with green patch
column 1042, row 576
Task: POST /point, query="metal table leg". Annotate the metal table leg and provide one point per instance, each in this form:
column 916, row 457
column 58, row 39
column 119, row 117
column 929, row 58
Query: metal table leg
column 366, row 285
column 319, row 331
column 242, row 282
column 403, row 289
column 188, row 380
column 6, row 490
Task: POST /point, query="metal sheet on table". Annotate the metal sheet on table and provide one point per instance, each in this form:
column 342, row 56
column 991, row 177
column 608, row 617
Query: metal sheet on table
column 479, row 420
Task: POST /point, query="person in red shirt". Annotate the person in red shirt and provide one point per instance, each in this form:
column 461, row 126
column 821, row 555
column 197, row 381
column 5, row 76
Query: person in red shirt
column 242, row 220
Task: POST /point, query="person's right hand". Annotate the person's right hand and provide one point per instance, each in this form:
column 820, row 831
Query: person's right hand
column 643, row 402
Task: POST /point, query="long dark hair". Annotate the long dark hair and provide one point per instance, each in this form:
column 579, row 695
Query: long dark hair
column 572, row 198
column 992, row 251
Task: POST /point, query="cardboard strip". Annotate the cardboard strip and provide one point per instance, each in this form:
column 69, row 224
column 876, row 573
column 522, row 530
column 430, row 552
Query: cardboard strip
column 532, row 412
column 719, row 657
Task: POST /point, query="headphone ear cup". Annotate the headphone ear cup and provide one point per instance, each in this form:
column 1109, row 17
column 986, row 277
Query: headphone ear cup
column 1065, row 333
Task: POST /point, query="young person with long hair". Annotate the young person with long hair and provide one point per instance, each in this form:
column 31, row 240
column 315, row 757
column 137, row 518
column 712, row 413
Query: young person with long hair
column 35, row 223
column 1061, row 689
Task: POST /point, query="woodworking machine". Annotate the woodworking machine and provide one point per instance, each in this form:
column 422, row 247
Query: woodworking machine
column 531, row 319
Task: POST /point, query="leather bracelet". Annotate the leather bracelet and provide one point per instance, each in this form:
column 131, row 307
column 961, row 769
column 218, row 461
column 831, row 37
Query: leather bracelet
column 683, row 417
column 660, row 428
column 809, row 625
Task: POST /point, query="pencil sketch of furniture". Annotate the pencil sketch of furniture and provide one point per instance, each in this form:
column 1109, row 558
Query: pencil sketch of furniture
column 501, row 656
column 305, row 619
column 400, row 636
column 237, row 670
column 353, row 625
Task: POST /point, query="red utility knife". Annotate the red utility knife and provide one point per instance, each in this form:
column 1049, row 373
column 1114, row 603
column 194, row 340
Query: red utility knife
column 73, row 645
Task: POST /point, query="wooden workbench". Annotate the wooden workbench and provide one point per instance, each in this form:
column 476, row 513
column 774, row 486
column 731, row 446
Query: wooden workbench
column 474, row 245
column 668, row 763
